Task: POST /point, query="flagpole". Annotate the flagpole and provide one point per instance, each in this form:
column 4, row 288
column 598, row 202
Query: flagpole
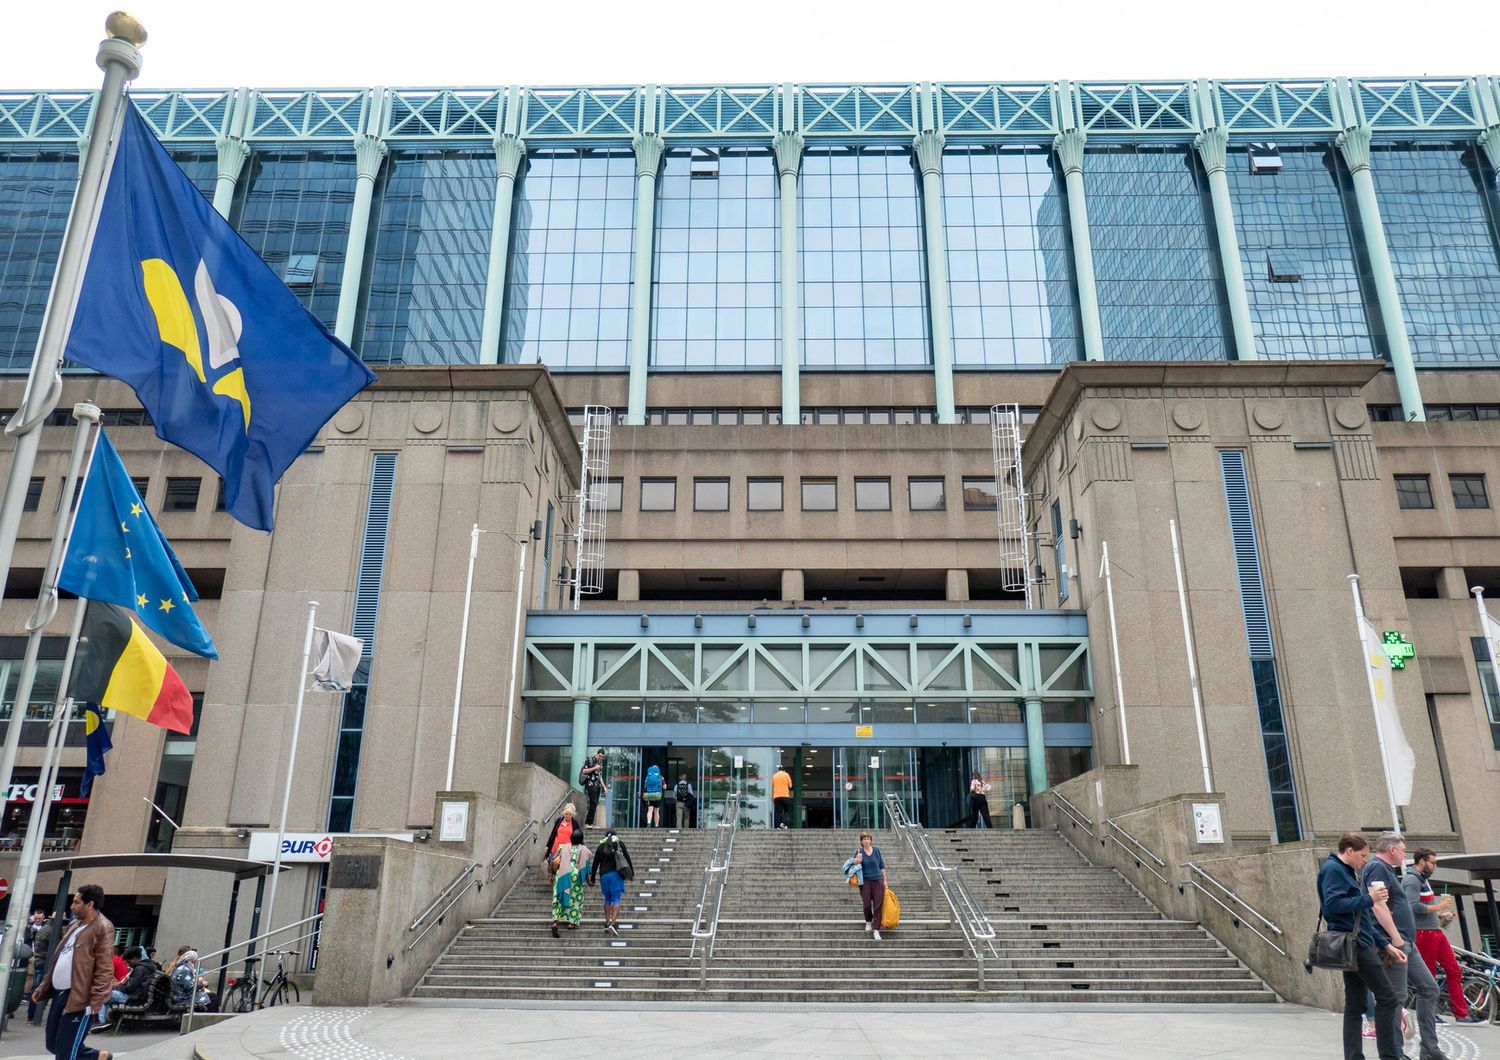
column 121, row 62
column 1385, row 768
column 1114, row 647
column 1192, row 660
column 515, row 649
column 87, row 416
column 286, row 795
column 463, row 647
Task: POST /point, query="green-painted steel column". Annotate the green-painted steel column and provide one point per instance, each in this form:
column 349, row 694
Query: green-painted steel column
column 1355, row 145
column 648, row 151
column 1213, row 148
column 369, row 153
column 580, row 739
column 233, row 152
column 788, row 147
column 1069, row 148
column 929, row 151
column 509, row 152
column 1036, row 748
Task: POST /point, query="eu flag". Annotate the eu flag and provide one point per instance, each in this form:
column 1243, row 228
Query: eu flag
column 118, row 554
column 98, row 744
column 228, row 363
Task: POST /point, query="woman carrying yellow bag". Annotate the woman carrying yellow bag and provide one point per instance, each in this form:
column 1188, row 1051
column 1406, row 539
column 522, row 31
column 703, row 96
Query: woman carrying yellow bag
column 872, row 882
column 890, row 910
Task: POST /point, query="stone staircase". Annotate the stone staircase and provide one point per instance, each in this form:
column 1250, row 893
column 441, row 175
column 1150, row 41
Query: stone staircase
column 791, row 930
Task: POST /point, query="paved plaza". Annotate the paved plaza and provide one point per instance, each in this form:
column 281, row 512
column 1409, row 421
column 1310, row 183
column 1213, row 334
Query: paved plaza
column 1054, row 1032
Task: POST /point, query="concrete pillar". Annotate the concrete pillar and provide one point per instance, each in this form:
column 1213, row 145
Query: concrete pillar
column 233, row 153
column 1213, row 148
column 1453, row 584
column 1355, row 145
column 1069, row 148
column 788, row 147
column 629, row 589
column 648, row 151
column 580, row 741
column 929, row 152
column 958, row 586
column 369, row 153
column 1036, row 748
column 509, row 153
column 791, row 585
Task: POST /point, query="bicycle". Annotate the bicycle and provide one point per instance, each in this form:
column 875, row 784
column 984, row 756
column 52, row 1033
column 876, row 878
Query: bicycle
column 240, row 995
column 1481, row 990
column 279, row 989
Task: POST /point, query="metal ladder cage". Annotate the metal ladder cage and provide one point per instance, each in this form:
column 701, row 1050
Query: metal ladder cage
column 1010, row 499
column 593, row 503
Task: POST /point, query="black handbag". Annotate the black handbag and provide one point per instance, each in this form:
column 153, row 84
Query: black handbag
column 1337, row 951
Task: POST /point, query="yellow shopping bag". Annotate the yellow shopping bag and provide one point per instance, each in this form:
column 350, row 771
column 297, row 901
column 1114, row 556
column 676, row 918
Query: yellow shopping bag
column 890, row 911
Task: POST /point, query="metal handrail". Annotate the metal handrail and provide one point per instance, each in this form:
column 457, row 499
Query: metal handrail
column 512, row 849
column 1234, row 916
column 1482, row 958
column 1073, row 811
column 250, row 958
column 1140, row 848
column 715, row 876
column 452, row 893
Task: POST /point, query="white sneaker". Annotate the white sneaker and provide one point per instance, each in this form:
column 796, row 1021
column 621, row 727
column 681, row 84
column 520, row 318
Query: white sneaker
column 869, row 926
column 877, row 936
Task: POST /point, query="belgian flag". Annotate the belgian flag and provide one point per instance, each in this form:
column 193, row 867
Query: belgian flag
column 120, row 669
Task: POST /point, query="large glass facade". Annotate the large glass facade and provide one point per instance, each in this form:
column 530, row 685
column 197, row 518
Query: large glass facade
column 294, row 212
column 1436, row 211
column 1010, row 277
column 1302, row 275
column 1155, row 266
column 714, row 286
column 36, row 191
column 428, row 257
column 863, row 269
column 567, row 298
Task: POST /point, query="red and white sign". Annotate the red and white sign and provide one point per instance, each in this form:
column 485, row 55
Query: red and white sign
column 4, row 887
column 27, row 792
column 304, row 847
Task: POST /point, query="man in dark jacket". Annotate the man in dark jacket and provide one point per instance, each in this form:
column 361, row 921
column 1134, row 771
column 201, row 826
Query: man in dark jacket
column 1411, row 975
column 79, row 976
column 1343, row 904
column 132, row 989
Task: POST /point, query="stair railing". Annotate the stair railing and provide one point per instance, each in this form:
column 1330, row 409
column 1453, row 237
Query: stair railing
column 530, row 830
column 1071, row 815
column 1237, row 918
column 432, row 916
column 711, row 894
column 964, row 907
column 1135, row 849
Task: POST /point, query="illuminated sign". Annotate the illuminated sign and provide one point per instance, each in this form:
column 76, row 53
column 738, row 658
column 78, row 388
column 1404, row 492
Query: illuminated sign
column 1398, row 649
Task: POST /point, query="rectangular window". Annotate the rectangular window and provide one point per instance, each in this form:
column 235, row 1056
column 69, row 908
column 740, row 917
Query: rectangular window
column 220, row 504
column 710, row 495
column 614, row 490
column 1487, row 687
column 979, row 493
column 1059, row 552
column 34, row 494
column 820, row 495
column 182, row 495
column 658, row 494
column 1413, row 491
column 763, row 495
column 926, row 494
column 141, row 484
column 1469, row 491
column 872, row 494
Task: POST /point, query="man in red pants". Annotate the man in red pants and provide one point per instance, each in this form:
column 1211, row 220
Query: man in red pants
column 1432, row 943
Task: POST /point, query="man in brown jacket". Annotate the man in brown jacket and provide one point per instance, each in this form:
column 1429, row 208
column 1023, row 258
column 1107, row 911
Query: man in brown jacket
column 80, row 975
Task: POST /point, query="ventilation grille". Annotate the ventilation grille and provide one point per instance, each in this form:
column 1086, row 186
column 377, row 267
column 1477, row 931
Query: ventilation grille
column 1246, row 554
column 372, row 551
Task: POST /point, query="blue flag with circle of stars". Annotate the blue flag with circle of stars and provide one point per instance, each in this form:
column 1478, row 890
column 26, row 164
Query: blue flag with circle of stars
column 118, row 554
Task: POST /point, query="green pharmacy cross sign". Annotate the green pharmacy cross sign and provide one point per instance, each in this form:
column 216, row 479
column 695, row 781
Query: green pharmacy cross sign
column 1398, row 648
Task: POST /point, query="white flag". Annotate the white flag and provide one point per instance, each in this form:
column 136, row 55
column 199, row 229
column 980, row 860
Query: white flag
column 338, row 657
column 1400, row 759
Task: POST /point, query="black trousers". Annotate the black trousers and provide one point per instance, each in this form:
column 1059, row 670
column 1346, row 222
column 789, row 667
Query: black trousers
column 593, row 794
column 783, row 813
column 1371, row 976
column 979, row 808
column 67, row 1029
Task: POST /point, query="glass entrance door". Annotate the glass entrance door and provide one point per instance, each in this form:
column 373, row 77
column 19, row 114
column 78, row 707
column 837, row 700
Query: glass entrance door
column 863, row 777
column 744, row 769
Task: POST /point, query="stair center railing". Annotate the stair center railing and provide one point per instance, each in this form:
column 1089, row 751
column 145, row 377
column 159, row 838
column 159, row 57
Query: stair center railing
column 964, row 907
column 1135, row 849
column 1236, row 917
column 711, row 895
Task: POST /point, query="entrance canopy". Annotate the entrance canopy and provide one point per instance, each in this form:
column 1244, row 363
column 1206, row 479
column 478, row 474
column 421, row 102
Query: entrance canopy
column 1479, row 866
column 241, row 868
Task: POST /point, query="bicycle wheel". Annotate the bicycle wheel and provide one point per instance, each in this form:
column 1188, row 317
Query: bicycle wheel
column 1478, row 994
column 241, row 997
column 292, row 994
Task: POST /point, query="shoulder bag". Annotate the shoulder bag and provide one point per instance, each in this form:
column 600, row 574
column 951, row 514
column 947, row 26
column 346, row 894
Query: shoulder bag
column 1335, row 950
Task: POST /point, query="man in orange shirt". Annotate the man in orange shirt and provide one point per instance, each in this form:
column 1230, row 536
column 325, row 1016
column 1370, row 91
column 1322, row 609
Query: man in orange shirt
column 781, row 795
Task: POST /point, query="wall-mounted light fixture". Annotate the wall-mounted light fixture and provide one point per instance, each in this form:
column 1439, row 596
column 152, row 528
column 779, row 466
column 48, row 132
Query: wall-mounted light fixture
column 859, row 621
column 912, row 622
column 645, row 621
column 806, row 621
column 750, row 621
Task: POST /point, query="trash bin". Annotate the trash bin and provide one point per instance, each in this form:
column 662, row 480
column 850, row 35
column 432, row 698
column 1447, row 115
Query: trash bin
column 17, row 988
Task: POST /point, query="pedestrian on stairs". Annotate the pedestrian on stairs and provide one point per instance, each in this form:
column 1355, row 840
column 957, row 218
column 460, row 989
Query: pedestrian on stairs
column 566, row 831
column 781, row 796
column 611, row 868
column 979, row 802
column 872, row 881
column 651, row 791
column 684, row 797
column 567, row 886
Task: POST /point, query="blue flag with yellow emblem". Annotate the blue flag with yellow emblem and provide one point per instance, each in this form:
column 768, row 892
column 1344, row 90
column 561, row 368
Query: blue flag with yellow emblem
column 116, row 553
column 221, row 353
column 97, row 745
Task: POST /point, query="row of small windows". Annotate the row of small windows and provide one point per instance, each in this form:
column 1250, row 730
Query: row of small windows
column 181, row 493
column 1461, row 413
column 924, row 493
column 63, row 417
column 848, row 417
column 1415, row 491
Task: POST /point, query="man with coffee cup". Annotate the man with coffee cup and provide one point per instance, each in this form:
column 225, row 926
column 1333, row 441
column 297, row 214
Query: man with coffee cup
column 1343, row 901
column 1384, row 870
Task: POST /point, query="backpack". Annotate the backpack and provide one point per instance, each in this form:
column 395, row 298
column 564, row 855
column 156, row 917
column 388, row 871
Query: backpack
column 653, row 781
column 587, row 780
column 684, row 789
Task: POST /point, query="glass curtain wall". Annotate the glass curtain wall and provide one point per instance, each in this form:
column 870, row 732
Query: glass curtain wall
column 863, row 269
column 36, row 192
column 1306, row 285
column 567, row 298
column 1010, row 275
column 1156, row 269
column 715, row 284
column 428, row 257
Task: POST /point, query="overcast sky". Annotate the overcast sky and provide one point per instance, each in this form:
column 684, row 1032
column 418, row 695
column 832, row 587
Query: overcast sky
column 414, row 43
